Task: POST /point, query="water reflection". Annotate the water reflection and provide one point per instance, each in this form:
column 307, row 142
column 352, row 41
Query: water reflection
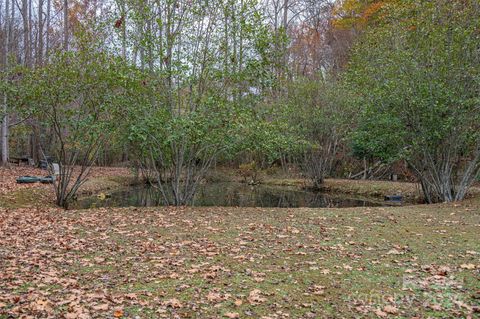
column 229, row 194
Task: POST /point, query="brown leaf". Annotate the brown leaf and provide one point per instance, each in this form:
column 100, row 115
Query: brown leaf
column 394, row 251
column 254, row 297
column 174, row 303
column 214, row 297
column 467, row 266
column 101, row 307
column 317, row 290
column 390, row 309
column 443, row 271
column 380, row 313
column 131, row 296
column 238, row 302
column 99, row 259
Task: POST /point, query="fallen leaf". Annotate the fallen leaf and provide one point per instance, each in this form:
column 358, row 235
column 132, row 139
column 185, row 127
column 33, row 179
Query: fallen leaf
column 174, row 303
column 214, row 297
column 101, row 307
column 467, row 266
column 380, row 313
column 395, row 252
column 254, row 297
column 131, row 296
column 238, row 302
column 390, row 309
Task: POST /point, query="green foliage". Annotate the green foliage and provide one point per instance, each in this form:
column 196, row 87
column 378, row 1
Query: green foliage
column 206, row 129
column 318, row 109
column 207, row 100
column 80, row 96
column 378, row 136
column 216, row 128
column 266, row 134
column 417, row 80
column 320, row 114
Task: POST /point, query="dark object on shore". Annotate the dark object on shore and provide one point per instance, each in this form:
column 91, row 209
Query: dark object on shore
column 44, row 163
column 27, row 179
column 47, row 179
column 394, row 198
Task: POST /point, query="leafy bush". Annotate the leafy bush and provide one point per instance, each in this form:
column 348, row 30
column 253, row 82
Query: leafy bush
column 417, row 81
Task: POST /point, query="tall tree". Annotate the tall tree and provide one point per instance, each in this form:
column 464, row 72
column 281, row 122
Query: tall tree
column 4, row 113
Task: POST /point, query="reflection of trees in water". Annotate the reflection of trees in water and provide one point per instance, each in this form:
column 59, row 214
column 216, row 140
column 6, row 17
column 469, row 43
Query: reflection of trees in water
column 225, row 194
column 152, row 197
column 276, row 198
column 228, row 194
column 264, row 196
column 326, row 200
column 272, row 197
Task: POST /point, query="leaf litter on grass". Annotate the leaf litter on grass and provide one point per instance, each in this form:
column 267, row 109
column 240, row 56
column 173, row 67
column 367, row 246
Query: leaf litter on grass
column 239, row 263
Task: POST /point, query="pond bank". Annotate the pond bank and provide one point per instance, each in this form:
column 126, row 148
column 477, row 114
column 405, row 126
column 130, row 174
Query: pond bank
column 13, row 195
column 358, row 187
column 105, row 179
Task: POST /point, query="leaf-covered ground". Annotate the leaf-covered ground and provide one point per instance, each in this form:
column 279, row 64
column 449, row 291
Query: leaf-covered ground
column 398, row 262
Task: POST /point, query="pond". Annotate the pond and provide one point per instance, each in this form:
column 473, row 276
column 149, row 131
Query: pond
column 229, row 194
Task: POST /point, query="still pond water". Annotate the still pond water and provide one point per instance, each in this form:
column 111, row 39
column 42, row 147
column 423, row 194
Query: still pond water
column 230, row 194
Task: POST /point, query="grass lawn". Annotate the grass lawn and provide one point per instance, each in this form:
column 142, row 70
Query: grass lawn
column 399, row 262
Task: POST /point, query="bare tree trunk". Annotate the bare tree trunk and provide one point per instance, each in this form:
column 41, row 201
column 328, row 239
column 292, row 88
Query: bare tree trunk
column 65, row 25
column 36, row 143
column 47, row 38
column 240, row 58
column 40, row 33
column 169, row 57
column 26, row 41
column 27, row 61
column 318, row 162
column 124, row 30
column 30, row 33
column 365, row 170
column 149, row 48
column 285, row 14
column 226, row 50
column 4, row 126
column 284, row 44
